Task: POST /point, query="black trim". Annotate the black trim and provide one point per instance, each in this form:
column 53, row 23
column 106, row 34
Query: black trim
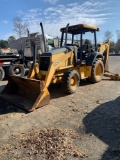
column 81, row 41
column 93, row 56
column 72, row 38
column 95, row 38
column 62, row 35
column 66, row 34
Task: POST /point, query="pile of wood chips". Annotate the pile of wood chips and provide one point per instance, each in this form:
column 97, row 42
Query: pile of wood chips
column 47, row 144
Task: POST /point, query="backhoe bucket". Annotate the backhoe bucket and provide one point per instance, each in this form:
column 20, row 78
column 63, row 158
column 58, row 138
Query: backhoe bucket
column 26, row 93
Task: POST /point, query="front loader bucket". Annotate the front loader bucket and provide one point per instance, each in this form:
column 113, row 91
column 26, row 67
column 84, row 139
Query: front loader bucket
column 26, row 93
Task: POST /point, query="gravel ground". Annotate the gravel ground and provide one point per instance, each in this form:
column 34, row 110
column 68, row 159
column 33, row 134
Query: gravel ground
column 93, row 113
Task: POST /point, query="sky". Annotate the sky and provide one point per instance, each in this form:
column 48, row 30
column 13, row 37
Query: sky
column 55, row 14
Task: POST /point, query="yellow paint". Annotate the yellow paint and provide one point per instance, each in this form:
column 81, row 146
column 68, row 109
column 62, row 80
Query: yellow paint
column 73, row 81
column 84, row 71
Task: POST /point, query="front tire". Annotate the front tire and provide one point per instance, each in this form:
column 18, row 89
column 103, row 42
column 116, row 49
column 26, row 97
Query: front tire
column 97, row 71
column 71, row 81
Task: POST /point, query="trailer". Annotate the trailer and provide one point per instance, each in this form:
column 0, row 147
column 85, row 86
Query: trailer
column 10, row 63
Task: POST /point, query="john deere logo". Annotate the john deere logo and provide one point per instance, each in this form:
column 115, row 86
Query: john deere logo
column 56, row 63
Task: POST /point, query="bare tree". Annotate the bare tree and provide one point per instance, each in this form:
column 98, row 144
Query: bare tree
column 118, row 40
column 118, row 34
column 20, row 26
column 118, row 44
column 108, row 35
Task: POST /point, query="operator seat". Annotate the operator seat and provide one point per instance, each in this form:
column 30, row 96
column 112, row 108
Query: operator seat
column 82, row 50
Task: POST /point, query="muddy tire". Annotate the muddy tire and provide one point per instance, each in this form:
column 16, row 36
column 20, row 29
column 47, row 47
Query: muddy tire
column 97, row 71
column 71, row 81
column 2, row 74
column 17, row 70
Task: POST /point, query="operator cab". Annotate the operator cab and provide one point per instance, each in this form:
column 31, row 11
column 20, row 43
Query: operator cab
column 76, row 34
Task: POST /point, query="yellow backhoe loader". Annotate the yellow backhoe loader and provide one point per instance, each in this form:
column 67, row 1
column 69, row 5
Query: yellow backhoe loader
column 67, row 64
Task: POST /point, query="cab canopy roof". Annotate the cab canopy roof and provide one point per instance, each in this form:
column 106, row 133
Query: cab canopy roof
column 80, row 28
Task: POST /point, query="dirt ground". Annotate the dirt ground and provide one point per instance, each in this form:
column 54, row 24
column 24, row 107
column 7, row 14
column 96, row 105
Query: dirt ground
column 93, row 112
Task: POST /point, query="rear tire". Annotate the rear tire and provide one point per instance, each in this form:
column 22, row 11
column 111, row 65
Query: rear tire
column 2, row 74
column 97, row 71
column 17, row 70
column 71, row 81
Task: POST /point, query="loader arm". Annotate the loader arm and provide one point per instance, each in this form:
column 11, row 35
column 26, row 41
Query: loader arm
column 55, row 65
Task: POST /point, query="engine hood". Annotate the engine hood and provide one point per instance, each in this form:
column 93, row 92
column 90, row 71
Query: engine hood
column 56, row 51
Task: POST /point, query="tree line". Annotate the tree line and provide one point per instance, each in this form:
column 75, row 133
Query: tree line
column 113, row 45
column 20, row 28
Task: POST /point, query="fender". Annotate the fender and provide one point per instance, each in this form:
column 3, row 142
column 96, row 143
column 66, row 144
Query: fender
column 92, row 57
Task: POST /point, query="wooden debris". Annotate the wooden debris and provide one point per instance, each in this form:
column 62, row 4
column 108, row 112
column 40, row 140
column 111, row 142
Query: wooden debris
column 49, row 144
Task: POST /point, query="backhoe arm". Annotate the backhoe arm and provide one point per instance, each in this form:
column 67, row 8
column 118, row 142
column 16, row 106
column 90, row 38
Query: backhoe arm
column 112, row 75
column 104, row 48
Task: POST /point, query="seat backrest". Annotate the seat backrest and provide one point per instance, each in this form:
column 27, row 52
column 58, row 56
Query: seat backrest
column 84, row 48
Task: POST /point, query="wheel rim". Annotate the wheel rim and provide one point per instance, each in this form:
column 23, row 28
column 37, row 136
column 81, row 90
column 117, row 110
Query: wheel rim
column 73, row 81
column 17, row 70
column 99, row 71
